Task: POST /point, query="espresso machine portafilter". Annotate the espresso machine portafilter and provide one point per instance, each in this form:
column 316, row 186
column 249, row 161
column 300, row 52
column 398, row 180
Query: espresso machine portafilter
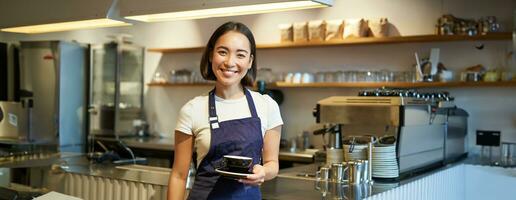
column 335, row 141
column 333, row 148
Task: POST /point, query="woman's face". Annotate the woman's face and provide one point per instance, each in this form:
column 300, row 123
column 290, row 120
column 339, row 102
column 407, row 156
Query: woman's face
column 231, row 58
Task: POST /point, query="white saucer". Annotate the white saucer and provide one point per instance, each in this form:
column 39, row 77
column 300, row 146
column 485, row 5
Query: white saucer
column 232, row 175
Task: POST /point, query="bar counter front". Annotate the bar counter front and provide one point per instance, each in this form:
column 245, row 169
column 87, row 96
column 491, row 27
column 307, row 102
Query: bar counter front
column 75, row 175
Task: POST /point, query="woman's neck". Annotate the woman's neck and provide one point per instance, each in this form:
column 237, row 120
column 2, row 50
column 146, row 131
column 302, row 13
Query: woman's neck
column 229, row 92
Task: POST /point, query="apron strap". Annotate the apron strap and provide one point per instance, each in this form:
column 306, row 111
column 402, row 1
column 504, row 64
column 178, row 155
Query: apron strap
column 213, row 118
column 250, row 103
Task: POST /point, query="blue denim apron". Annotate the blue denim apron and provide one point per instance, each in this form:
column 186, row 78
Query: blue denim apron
column 240, row 137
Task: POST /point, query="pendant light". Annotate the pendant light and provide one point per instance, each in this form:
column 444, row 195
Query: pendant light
column 29, row 16
column 170, row 10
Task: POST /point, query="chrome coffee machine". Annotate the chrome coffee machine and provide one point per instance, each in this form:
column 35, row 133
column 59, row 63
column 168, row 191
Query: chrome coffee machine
column 429, row 129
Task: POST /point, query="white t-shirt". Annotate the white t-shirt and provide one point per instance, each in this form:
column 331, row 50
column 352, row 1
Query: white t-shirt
column 193, row 117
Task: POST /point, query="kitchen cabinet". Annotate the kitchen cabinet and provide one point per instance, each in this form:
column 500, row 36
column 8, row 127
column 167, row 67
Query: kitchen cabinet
column 358, row 41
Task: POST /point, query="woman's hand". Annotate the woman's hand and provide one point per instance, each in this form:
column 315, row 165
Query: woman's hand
column 257, row 178
column 269, row 170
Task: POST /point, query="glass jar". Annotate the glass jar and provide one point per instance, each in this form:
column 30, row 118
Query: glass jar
column 183, row 76
column 159, row 77
column 265, row 74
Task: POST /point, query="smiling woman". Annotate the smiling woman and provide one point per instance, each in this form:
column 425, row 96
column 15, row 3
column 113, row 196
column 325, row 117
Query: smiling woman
column 231, row 58
column 229, row 121
column 231, row 44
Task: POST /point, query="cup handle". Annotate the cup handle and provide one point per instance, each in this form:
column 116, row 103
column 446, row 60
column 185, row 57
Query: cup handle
column 318, row 175
column 221, row 164
column 347, row 177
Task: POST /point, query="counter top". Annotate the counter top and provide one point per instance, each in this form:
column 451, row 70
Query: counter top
column 291, row 183
column 34, row 159
column 154, row 143
column 136, row 173
column 303, row 156
column 300, row 183
column 167, row 144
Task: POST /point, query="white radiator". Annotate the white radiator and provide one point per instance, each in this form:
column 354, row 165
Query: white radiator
column 101, row 188
column 447, row 184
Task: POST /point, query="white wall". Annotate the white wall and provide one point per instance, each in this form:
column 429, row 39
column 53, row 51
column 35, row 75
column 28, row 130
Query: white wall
column 489, row 108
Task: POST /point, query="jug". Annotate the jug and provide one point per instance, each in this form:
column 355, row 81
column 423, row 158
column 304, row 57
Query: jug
column 351, row 172
column 355, row 172
column 339, row 172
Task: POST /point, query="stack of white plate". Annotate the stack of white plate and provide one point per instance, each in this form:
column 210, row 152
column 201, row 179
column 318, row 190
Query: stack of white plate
column 358, row 152
column 384, row 161
column 380, row 187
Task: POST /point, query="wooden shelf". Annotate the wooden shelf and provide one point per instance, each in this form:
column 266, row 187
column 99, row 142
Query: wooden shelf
column 358, row 84
column 395, row 84
column 179, row 84
column 358, row 41
column 210, row 85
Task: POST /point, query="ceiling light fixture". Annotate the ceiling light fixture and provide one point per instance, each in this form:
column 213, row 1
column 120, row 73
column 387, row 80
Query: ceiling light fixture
column 206, row 9
column 66, row 26
column 73, row 15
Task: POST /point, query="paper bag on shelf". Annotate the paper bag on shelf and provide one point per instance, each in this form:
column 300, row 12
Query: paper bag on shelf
column 300, row 32
column 316, row 30
column 334, row 29
column 379, row 28
column 286, row 31
column 355, row 28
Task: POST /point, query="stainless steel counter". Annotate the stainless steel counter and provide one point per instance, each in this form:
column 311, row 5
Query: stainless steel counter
column 167, row 144
column 79, row 164
column 291, row 183
column 33, row 160
column 136, row 173
column 287, row 188
column 300, row 183
column 302, row 156
column 154, row 143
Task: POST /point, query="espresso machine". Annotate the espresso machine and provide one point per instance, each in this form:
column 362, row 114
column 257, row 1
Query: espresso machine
column 428, row 127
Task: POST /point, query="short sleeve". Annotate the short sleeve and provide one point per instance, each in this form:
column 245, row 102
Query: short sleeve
column 274, row 114
column 184, row 119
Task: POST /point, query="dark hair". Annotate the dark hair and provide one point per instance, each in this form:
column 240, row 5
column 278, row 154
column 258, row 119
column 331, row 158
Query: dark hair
column 206, row 70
